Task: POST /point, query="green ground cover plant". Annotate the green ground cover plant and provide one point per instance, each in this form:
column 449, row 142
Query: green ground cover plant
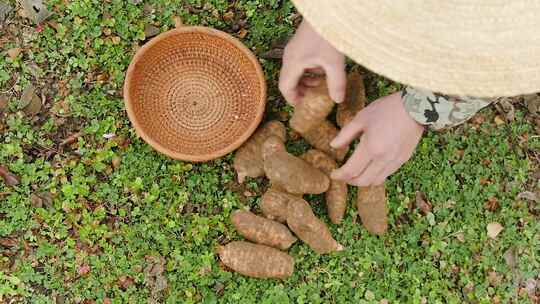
column 91, row 214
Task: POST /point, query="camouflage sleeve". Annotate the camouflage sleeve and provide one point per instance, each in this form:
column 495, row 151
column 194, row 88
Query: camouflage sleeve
column 440, row 111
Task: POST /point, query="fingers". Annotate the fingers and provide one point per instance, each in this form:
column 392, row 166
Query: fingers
column 350, row 132
column 354, row 166
column 337, row 81
column 289, row 79
column 371, row 175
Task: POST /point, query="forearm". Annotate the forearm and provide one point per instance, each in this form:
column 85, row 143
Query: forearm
column 438, row 111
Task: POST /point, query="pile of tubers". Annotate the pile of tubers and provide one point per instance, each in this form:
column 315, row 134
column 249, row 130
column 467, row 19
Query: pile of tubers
column 286, row 216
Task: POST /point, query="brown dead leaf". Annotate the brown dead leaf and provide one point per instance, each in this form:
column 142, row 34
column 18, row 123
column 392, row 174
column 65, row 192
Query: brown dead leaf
column 71, row 139
column 8, row 242
column 36, row 201
column 150, row 31
column 506, row 108
column 9, row 178
column 30, row 102
column 228, row 16
column 153, row 274
column 116, row 40
column 531, row 196
column 83, row 269
column 115, row 162
column 178, row 23
column 4, row 100
column 478, row 119
column 125, row 281
column 510, row 257
column 14, row 53
column 493, row 229
column 494, row 278
column 498, row 120
column 422, row 202
column 242, row 33
column 492, row 204
column 107, row 301
column 530, row 286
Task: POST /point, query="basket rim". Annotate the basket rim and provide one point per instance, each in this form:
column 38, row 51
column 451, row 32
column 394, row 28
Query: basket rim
column 182, row 156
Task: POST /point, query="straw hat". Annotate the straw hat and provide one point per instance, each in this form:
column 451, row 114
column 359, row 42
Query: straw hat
column 482, row 48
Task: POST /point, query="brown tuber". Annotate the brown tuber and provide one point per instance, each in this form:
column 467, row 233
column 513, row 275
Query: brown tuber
column 310, row 229
column 336, row 196
column 248, row 159
column 321, row 136
column 371, row 205
column 274, row 204
column 291, row 173
column 313, row 109
column 257, row 261
column 261, row 230
column 355, row 99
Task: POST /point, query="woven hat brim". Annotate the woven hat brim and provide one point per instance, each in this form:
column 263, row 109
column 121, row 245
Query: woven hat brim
column 484, row 48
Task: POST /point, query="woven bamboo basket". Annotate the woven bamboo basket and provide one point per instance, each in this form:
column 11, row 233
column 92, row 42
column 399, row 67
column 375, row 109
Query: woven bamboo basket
column 195, row 93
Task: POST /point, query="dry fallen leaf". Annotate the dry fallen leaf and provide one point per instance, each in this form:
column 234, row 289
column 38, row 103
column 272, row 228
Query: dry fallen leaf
column 531, row 285
column 9, row 178
column 492, row 204
column 115, row 162
column 30, row 102
column 178, row 22
column 125, row 281
column 493, row 229
column 83, row 269
column 150, row 31
column 14, row 53
column 532, row 102
column 498, row 120
column 3, row 102
column 510, row 257
column 8, row 242
column 242, row 33
column 531, row 196
column 422, row 202
column 228, row 16
column 494, row 278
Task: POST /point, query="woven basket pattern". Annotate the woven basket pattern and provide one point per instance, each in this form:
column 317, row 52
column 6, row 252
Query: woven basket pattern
column 195, row 94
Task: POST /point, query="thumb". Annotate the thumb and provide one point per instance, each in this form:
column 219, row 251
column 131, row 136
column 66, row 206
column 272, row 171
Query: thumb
column 350, row 132
column 336, row 78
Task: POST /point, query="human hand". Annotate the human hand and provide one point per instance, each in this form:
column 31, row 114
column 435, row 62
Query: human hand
column 389, row 138
column 309, row 52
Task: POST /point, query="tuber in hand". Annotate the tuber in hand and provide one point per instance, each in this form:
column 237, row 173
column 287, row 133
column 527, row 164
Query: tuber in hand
column 274, row 204
column 291, row 173
column 313, row 109
column 371, row 205
column 261, row 230
column 321, row 136
column 256, row 261
column 310, row 229
column 336, row 196
column 355, row 99
column 248, row 159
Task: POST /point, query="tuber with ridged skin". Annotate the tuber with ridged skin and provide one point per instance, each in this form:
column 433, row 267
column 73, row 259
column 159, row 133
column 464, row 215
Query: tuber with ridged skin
column 313, row 109
column 336, row 196
column 274, row 204
column 321, row 136
column 355, row 99
column 310, row 229
column 371, row 205
column 291, row 173
column 257, row 261
column 262, row 230
column 248, row 160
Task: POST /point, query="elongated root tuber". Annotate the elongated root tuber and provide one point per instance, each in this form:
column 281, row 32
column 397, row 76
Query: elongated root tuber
column 336, row 196
column 371, row 205
column 256, row 261
column 291, row 173
column 355, row 99
column 321, row 136
column 261, row 230
column 310, row 229
column 274, row 204
column 248, row 159
column 313, row 109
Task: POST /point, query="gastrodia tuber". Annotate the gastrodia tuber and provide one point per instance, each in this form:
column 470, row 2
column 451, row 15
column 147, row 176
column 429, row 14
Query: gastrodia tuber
column 262, row 230
column 355, row 99
column 248, row 159
column 321, row 136
column 258, row 261
column 274, row 204
column 291, row 173
column 313, row 109
column 310, row 229
column 336, row 196
column 371, row 205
